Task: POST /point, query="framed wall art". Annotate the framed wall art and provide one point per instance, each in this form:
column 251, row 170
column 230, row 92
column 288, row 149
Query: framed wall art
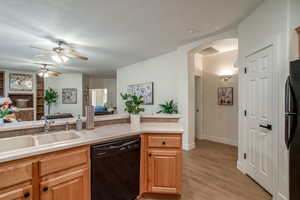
column 145, row 90
column 20, row 82
column 225, row 96
column 69, row 96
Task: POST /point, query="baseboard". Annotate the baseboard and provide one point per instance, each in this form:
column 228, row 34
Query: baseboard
column 218, row 139
column 240, row 166
column 188, row 147
column 280, row 197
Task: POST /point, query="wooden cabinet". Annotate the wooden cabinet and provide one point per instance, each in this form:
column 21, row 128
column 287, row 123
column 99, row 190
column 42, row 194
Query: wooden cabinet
column 161, row 163
column 25, row 115
column 20, row 193
column 164, row 171
column 298, row 31
column 69, row 186
column 62, row 175
column 65, row 175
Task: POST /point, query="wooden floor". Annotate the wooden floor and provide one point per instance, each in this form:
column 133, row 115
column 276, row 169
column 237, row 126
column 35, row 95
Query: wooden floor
column 210, row 173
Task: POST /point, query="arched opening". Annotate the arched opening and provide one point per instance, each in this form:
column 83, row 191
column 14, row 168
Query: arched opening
column 213, row 91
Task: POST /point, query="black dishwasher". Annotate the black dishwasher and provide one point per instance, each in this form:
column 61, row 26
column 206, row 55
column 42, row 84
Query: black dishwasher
column 116, row 170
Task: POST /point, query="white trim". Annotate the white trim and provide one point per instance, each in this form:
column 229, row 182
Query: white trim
column 280, row 197
column 188, row 147
column 240, row 166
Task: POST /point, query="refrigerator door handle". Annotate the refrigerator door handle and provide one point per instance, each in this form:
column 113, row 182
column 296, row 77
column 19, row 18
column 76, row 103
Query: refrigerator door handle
column 291, row 113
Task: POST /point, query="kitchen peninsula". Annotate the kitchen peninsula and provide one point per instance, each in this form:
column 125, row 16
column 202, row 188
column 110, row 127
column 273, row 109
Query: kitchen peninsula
column 49, row 165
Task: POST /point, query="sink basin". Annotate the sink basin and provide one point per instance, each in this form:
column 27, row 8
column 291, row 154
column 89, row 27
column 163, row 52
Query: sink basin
column 56, row 137
column 15, row 143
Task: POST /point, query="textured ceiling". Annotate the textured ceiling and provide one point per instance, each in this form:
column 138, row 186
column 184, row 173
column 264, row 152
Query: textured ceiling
column 112, row 33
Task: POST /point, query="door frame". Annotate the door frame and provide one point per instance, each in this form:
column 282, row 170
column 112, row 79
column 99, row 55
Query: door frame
column 277, row 76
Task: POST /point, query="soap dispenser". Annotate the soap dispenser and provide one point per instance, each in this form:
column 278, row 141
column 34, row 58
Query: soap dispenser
column 78, row 123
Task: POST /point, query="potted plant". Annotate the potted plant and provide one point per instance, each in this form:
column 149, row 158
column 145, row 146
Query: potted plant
column 133, row 103
column 51, row 97
column 5, row 109
column 170, row 107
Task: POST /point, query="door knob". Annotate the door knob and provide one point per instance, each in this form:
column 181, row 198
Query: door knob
column 268, row 126
column 26, row 195
column 45, row 189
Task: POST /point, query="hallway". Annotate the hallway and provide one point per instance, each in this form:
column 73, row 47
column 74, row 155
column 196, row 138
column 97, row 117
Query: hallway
column 210, row 173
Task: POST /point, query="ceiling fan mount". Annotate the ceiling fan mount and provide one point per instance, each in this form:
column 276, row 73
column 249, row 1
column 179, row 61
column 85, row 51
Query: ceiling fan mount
column 59, row 53
column 45, row 72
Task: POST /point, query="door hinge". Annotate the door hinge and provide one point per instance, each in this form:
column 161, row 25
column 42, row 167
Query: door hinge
column 245, row 113
column 245, row 70
column 245, row 156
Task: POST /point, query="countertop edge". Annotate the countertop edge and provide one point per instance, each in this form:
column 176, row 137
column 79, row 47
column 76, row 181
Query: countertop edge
column 82, row 141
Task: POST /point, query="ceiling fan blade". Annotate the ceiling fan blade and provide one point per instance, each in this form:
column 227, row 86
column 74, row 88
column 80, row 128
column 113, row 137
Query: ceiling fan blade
column 69, row 50
column 40, row 48
column 52, row 73
column 75, row 56
column 41, row 55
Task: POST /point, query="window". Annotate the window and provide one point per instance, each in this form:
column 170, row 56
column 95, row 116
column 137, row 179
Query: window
column 98, row 97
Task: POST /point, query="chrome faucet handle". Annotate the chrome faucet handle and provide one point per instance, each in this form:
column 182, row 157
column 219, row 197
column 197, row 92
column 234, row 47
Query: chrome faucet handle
column 67, row 126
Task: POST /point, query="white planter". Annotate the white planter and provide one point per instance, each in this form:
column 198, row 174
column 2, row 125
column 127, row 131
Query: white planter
column 135, row 120
column 1, row 121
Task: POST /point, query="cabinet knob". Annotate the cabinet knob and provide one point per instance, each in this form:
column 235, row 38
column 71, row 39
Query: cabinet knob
column 26, row 195
column 149, row 154
column 164, row 143
column 45, row 189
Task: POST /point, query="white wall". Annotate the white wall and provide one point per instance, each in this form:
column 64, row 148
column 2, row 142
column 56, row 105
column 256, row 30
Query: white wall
column 66, row 80
column 268, row 24
column 173, row 77
column 220, row 122
column 294, row 23
column 109, row 84
column 163, row 71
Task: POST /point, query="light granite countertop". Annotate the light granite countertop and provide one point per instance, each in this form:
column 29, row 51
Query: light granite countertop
column 40, row 123
column 98, row 135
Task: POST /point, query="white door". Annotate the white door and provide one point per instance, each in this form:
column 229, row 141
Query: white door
column 259, row 68
column 198, row 107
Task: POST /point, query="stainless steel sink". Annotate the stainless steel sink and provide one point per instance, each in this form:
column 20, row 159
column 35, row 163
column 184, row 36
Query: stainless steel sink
column 56, row 137
column 16, row 143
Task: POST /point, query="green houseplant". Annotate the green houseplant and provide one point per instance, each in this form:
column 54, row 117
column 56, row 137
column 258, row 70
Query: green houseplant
column 51, row 97
column 170, row 107
column 133, row 106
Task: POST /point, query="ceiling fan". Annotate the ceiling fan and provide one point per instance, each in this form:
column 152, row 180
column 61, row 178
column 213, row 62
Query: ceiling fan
column 60, row 54
column 45, row 72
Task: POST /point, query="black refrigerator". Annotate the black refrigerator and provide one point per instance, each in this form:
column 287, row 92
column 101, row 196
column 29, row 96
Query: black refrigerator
column 292, row 127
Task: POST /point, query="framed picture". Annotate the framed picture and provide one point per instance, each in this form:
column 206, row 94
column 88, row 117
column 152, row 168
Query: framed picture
column 145, row 90
column 20, row 82
column 69, row 96
column 225, row 96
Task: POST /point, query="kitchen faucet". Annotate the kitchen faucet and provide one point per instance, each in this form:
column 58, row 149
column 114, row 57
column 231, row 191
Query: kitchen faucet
column 47, row 125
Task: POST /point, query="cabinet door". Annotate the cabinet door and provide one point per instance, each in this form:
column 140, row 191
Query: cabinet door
column 164, row 171
column 71, row 186
column 22, row 193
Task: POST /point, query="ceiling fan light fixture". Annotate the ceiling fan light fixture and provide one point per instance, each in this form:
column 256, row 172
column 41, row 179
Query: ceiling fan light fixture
column 60, row 59
column 41, row 74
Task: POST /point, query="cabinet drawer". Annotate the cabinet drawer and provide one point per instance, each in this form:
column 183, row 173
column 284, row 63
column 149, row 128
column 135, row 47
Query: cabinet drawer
column 164, row 141
column 62, row 161
column 24, row 192
column 15, row 174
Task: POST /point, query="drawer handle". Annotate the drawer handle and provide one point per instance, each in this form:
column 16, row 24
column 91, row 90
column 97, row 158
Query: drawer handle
column 163, row 143
column 45, row 189
column 26, row 195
